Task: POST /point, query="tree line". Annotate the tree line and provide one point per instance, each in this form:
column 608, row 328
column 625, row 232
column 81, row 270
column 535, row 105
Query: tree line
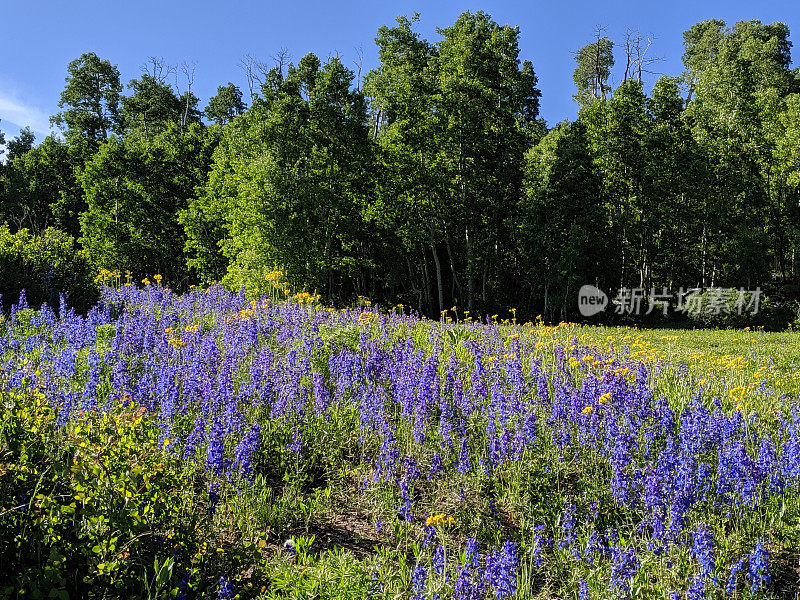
column 432, row 182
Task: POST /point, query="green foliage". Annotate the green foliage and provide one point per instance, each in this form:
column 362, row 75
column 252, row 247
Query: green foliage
column 457, row 118
column 226, row 105
column 45, row 266
column 490, row 102
column 560, row 222
column 151, row 107
column 332, row 575
column 90, row 99
column 20, row 144
column 408, row 205
column 778, row 308
column 287, row 183
column 92, row 509
column 100, row 509
column 39, row 189
column 134, row 190
column 739, row 80
column 594, row 63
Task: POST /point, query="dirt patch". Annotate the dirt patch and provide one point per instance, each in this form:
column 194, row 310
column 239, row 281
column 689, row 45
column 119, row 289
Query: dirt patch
column 349, row 531
column 786, row 576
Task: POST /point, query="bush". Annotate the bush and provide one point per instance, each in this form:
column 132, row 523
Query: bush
column 97, row 508
column 45, row 266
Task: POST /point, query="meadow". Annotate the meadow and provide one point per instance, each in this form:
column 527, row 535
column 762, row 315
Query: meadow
column 212, row 445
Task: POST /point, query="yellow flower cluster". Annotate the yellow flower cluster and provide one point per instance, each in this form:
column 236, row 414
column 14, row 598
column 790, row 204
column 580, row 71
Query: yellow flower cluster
column 439, row 519
column 590, row 360
column 105, row 275
column 245, row 314
column 306, row 298
column 113, row 278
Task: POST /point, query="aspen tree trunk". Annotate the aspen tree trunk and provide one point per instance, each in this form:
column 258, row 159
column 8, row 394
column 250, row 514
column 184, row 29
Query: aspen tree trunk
column 438, row 276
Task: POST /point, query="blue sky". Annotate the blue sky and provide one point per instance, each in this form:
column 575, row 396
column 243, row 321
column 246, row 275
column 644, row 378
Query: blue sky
column 40, row 37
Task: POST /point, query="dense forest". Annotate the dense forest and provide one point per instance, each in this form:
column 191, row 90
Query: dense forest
column 430, row 182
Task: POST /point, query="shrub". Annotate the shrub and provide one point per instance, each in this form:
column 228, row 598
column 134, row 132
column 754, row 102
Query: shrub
column 45, row 266
column 97, row 508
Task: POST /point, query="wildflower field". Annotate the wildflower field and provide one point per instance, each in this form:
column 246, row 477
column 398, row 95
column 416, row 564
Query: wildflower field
column 208, row 445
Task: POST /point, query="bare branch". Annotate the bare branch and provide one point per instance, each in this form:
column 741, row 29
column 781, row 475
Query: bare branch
column 255, row 72
column 188, row 69
column 282, row 58
column 359, row 63
column 599, row 81
column 636, row 48
column 158, row 68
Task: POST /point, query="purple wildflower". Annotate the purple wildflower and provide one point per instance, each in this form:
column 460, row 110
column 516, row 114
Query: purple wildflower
column 226, row 590
column 759, row 567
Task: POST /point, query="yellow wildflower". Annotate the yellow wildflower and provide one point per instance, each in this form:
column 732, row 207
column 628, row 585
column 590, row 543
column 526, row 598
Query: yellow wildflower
column 438, row 519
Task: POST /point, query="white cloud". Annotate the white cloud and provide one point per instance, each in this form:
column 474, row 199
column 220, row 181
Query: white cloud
column 14, row 111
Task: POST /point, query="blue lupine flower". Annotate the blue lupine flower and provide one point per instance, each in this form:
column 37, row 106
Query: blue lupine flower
column 568, row 526
column 759, row 567
column 296, row 445
column 466, row 588
column 438, row 560
column 225, row 587
column 213, row 498
column 697, row 589
column 583, row 590
column 703, row 549
column 215, row 460
column 624, row 566
column 463, row 458
column 735, row 570
column 500, row 570
column 418, row 579
column 436, row 464
column 404, row 510
column 245, row 451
